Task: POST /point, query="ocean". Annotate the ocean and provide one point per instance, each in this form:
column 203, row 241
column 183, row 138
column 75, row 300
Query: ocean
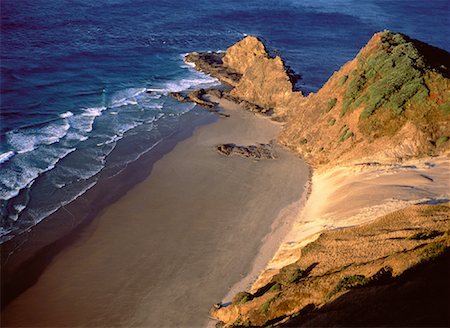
column 84, row 84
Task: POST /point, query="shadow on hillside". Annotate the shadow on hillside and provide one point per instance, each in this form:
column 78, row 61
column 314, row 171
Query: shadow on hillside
column 419, row 297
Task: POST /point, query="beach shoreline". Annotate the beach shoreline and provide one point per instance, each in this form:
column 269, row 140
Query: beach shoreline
column 25, row 256
column 176, row 242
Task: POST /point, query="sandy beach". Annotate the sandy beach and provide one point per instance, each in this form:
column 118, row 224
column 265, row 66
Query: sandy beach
column 178, row 241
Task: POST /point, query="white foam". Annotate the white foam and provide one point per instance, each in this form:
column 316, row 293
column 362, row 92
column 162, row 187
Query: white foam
column 110, row 140
column 188, row 83
column 19, row 208
column 4, row 157
column 126, row 97
column 188, row 64
column 4, row 231
column 85, row 121
column 23, row 173
column 27, row 139
column 93, row 111
column 66, row 114
column 123, row 102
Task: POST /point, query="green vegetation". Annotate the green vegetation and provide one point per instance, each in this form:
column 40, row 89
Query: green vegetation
column 289, row 274
column 445, row 107
column 425, row 235
column 303, row 141
column 266, row 305
column 242, row 297
column 346, row 133
column 331, row 103
column 433, row 250
column 342, row 80
column 391, row 78
column 349, row 282
column 442, row 140
column 332, row 121
column 311, row 247
column 275, row 288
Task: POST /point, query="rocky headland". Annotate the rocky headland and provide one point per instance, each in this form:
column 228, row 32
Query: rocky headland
column 377, row 134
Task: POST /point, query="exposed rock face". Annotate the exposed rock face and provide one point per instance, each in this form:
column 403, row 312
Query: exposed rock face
column 259, row 151
column 265, row 81
column 257, row 78
column 196, row 96
column 266, row 84
column 179, row 96
column 212, row 64
column 389, row 103
column 244, row 54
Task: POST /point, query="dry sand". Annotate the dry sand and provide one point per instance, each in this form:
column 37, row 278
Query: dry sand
column 175, row 243
column 355, row 194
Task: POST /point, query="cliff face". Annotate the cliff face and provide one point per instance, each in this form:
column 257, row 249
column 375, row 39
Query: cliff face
column 255, row 77
column 265, row 81
column 245, row 54
column 389, row 103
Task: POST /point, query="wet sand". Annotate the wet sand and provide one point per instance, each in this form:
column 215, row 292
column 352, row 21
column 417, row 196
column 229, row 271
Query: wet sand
column 176, row 243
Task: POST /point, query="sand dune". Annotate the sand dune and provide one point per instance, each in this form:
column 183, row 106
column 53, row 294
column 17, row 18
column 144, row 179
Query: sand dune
column 355, row 194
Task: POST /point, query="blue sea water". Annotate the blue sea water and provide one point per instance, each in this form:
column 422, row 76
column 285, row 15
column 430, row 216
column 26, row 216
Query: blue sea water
column 75, row 76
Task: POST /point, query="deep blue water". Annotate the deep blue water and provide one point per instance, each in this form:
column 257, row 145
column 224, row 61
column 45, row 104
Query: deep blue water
column 74, row 75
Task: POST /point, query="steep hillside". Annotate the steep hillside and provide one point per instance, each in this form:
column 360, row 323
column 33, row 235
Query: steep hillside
column 384, row 263
column 389, row 103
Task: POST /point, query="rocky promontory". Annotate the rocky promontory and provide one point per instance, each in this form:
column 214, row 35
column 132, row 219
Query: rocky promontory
column 390, row 104
column 255, row 77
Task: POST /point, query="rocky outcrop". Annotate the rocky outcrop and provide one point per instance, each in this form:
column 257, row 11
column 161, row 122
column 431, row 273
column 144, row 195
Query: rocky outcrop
column 390, row 103
column 371, row 259
column 258, row 151
column 245, row 54
column 196, row 96
column 211, row 63
column 256, row 77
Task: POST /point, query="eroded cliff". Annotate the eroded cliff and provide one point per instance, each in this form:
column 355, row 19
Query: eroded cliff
column 390, row 103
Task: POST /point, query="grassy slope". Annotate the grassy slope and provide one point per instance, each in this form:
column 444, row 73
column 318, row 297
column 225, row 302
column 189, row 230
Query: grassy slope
column 396, row 91
column 344, row 267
